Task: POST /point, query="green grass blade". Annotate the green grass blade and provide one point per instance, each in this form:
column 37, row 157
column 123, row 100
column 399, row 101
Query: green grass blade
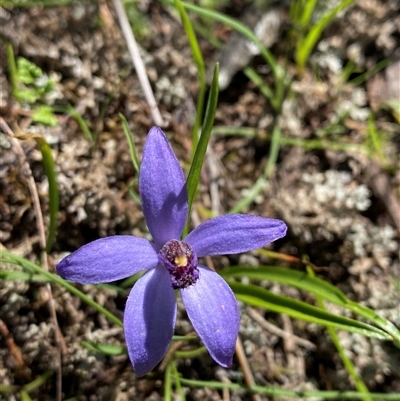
column 39, row 381
column 131, row 143
column 308, row 10
column 9, row 257
column 293, row 394
column 12, row 69
column 201, row 71
column 197, row 164
column 106, row 349
column 22, row 276
column 371, row 72
column 290, row 277
column 190, row 354
column 253, row 75
column 313, row 285
column 178, row 386
column 168, row 382
column 269, row 168
column 348, row 364
column 276, row 69
column 83, row 125
column 306, row 45
column 260, row 297
column 50, row 171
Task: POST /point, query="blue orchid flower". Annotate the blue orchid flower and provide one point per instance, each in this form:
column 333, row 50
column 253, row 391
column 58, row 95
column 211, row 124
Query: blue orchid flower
column 171, row 264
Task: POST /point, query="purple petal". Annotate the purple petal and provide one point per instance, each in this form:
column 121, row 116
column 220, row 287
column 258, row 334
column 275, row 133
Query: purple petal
column 162, row 189
column 234, row 233
column 214, row 313
column 149, row 320
column 108, row 259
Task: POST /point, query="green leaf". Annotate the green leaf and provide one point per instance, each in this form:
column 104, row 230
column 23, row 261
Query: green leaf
column 291, row 277
column 348, row 364
column 23, row 276
column 292, row 394
column 50, row 171
column 305, row 46
column 106, row 349
column 44, row 115
column 201, row 71
column 83, row 124
column 260, row 297
column 131, row 143
column 9, row 257
column 315, row 286
column 39, row 381
column 277, row 70
column 28, row 72
column 197, row 164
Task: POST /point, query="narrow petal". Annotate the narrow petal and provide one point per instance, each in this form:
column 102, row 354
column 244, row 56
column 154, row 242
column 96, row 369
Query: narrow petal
column 162, row 189
column 108, row 259
column 214, row 313
column 149, row 320
column 234, row 233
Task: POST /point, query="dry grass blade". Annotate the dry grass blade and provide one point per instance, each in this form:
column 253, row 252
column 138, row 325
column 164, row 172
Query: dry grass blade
column 138, row 62
column 42, row 237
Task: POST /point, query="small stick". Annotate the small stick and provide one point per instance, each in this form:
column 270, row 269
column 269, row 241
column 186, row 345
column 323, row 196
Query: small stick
column 42, row 237
column 278, row 331
column 9, row 340
column 244, row 363
column 138, row 62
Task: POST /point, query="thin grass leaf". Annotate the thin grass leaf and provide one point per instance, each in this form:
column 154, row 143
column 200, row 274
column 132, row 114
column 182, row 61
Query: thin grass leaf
column 12, row 69
column 293, row 394
column 198, row 160
column 106, row 349
column 179, row 389
column 9, row 257
column 39, row 381
column 131, row 143
column 306, row 45
column 253, row 75
column 12, row 275
column 24, row 396
column 190, row 354
column 308, row 9
column 315, row 286
column 83, row 125
column 269, row 168
column 50, row 171
column 201, row 72
column 34, row 3
column 277, row 70
column 375, row 139
column 168, row 382
column 290, row 277
column 260, row 297
column 371, row 72
column 348, row 364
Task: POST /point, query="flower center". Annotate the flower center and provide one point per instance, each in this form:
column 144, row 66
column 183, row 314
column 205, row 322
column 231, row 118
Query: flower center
column 180, row 260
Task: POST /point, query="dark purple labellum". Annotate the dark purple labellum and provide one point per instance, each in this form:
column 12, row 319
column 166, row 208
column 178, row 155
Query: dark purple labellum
column 180, row 260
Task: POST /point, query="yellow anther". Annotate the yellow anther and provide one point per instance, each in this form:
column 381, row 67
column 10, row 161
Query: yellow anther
column 181, row 261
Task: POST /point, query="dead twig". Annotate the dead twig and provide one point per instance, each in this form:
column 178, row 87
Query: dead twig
column 42, row 237
column 244, row 364
column 279, row 332
column 138, row 62
column 9, row 340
